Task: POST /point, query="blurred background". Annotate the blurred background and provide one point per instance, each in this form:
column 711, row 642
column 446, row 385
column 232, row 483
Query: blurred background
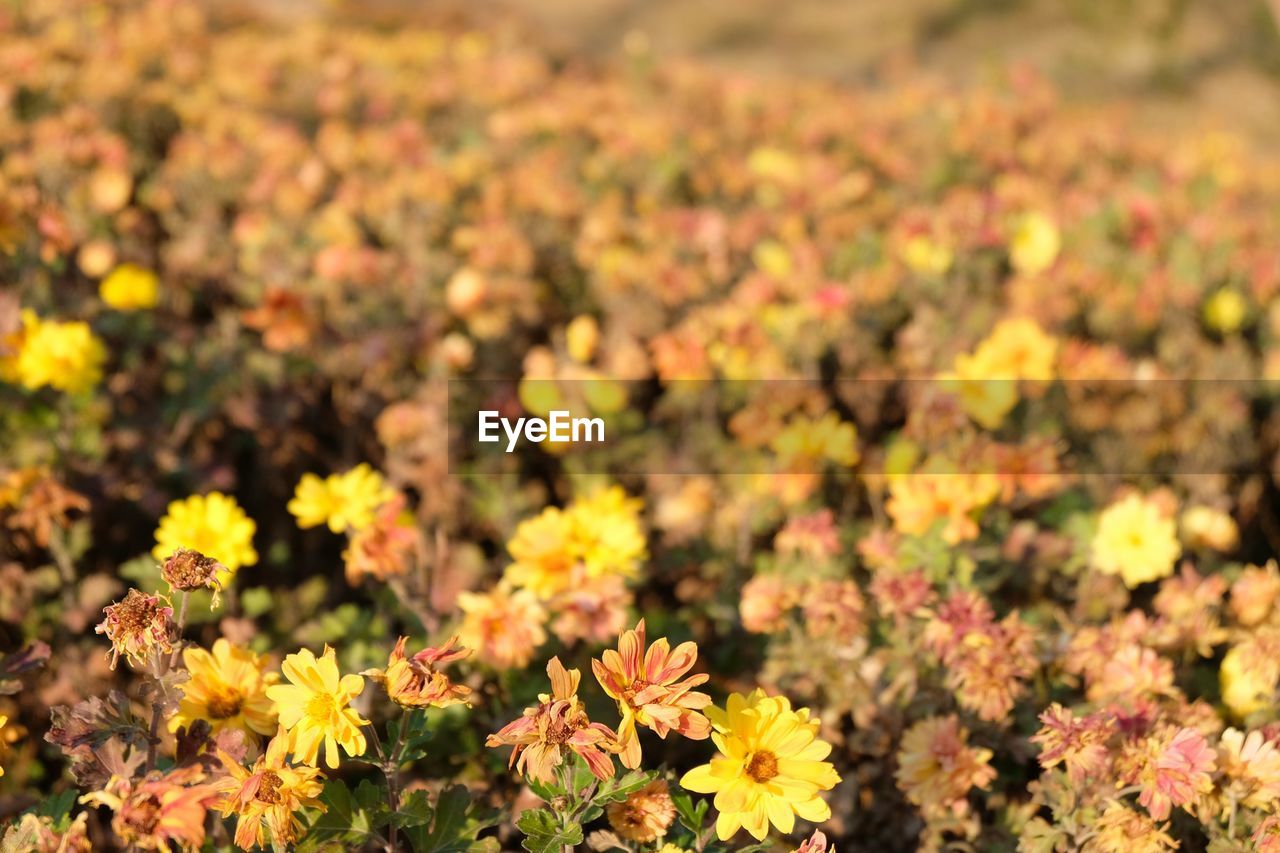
column 1179, row 63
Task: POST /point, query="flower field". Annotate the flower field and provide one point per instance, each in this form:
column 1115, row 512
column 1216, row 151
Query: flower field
column 936, row 510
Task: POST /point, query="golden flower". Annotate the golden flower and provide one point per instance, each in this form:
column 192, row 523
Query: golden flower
column 607, row 534
column 1249, row 678
column 1018, row 348
column 161, row 812
column 212, row 524
column 808, row 442
column 504, row 627
column 581, row 337
column 770, row 768
column 314, row 707
column 645, row 815
column 1120, row 829
column 543, row 554
column 919, row 500
column 268, row 796
column 986, row 393
column 63, row 355
column 926, row 256
column 342, row 501
column 1035, row 244
column 647, row 686
column 937, row 768
column 559, row 722
column 1136, row 541
column 1254, row 594
column 130, row 288
column 417, row 682
column 1225, row 310
column 228, row 689
column 138, row 626
column 1206, row 527
column 1251, row 764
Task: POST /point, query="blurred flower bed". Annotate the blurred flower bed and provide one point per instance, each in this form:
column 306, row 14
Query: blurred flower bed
column 248, row 597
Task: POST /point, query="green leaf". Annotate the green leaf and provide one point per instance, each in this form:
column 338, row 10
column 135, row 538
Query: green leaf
column 692, row 813
column 457, row 822
column 57, row 807
column 348, row 818
column 543, row 833
column 618, row 788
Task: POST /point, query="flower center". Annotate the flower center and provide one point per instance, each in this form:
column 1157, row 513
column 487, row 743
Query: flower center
column 269, row 788
column 763, row 766
column 322, row 707
column 145, row 815
column 225, row 704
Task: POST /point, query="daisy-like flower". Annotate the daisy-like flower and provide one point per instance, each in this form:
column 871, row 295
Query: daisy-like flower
column 62, row 355
column 558, row 723
column 770, row 768
column 212, row 524
column 267, row 796
column 649, row 691
column 607, row 533
column 1120, row 829
column 1035, row 243
column 505, row 627
column 130, row 287
column 163, row 812
column 1251, row 764
column 314, row 707
column 138, row 626
column 417, row 682
column 1080, row 745
column 645, row 815
column 385, row 548
column 1175, row 768
column 937, row 768
column 542, row 553
column 347, row 501
column 227, row 689
column 1136, row 541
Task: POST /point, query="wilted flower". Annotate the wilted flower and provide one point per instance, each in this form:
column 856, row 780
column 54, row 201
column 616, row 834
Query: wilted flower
column 213, row 525
column 1254, row 594
column 770, row 768
column 645, row 815
column 832, row 608
column 162, row 811
column 267, row 796
column 805, row 443
column 138, row 626
column 130, row 288
column 594, row 610
column 1120, row 829
column 649, row 691
column 385, row 548
column 558, row 723
column 417, row 682
column 314, row 707
column 816, row 843
column 1136, row 541
column 342, row 501
column 1174, row 769
column 228, row 689
column 187, row 571
column 33, row 833
column 504, row 627
column 937, row 768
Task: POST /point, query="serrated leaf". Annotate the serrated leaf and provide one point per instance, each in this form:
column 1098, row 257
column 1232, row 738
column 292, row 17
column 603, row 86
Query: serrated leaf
column 457, row 822
column 618, row 788
column 543, row 833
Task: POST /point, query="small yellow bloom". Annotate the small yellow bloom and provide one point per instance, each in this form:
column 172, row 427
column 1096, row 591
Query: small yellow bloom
column 267, row 796
column 810, row 441
column 543, row 553
column 212, row 524
column 925, row 256
column 63, row 355
column 770, row 768
column 1248, row 681
column 347, row 501
column 130, row 287
column 581, row 337
column 1225, row 311
column 1136, row 541
column 228, row 689
column 1035, row 244
column 1206, row 527
column 314, row 707
column 607, row 533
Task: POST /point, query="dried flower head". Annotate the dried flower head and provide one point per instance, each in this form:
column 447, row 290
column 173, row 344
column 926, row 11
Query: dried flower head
column 645, row 815
column 417, row 682
column 138, row 626
column 186, row 570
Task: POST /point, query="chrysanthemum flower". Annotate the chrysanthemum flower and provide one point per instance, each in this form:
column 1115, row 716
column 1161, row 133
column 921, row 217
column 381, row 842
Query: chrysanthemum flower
column 346, row 501
column 1080, row 745
column 63, row 355
column 130, row 287
column 138, row 626
column 1250, row 674
column 559, row 722
column 504, row 627
column 1035, row 243
column 1175, row 768
column 228, row 689
column 770, row 768
column 1136, row 541
column 314, row 707
column 542, row 553
column 649, row 691
column 816, row 843
column 1251, row 765
column 1254, row 593
column 188, row 571
column 268, row 796
column 645, row 815
column 808, row 442
column 212, row 524
column 607, row 534
column 417, row 682
column 161, row 812
column 937, row 768
column 1120, row 829
column 385, row 548
column 594, row 610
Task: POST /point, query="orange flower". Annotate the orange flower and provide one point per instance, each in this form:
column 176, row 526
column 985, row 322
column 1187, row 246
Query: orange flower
column 504, row 626
column 645, row 815
column 937, row 767
column 647, row 687
column 268, row 795
column 161, row 812
column 558, row 722
column 415, row 682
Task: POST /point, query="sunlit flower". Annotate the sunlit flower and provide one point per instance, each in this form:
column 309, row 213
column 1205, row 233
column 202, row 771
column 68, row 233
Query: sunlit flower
column 1254, row 594
column 920, row 500
column 1206, row 527
column 212, row 524
column 557, row 724
column 987, row 393
column 267, row 797
column 385, row 548
column 937, row 768
column 816, row 843
column 1035, row 243
column 130, row 288
column 607, row 534
column 226, row 688
column 807, row 442
column 342, row 501
column 592, row 609
column 417, row 681
column 1249, row 677
column 770, row 768
column 504, row 627
column 1225, row 310
column 63, row 355
column 1079, row 744
column 764, row 602
column 138, row 626
column 187, row 571
column 543, row 553
column 647, row 685
column 1176, row 769
column 645, row 815
column 926, row 256
column 1136, row 541
column 1251, row 765
column 1018, row 348
column 314, row 707
column 163, row 812
column 1120, row 829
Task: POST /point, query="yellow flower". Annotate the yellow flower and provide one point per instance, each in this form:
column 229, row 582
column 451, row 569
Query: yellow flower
column 1248, row 680
column 770, row 768
column 130, row 287
column 607, row 535
column 1035, row 244
column 543, row 552
column 581, row 337
column 923, row 255
column 314, row 707
column 267, row 797
column 342, row 501
column 1206, row 527
column 809, row 441
column 63, row 355
column 1225, row 311
column 4, row 721
column 1018, row 348
column 228, row 689
column 1136, row 541
column 986, row 393
column 937, row 767
column 213, row 524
